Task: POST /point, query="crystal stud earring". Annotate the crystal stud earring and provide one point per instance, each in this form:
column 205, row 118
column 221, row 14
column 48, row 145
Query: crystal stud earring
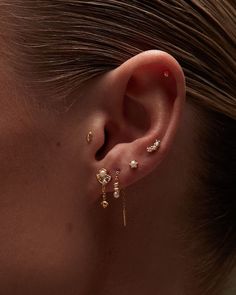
column 154, row 147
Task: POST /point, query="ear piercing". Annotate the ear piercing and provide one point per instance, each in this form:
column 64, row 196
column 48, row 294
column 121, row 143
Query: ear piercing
column 89, row 137
column 103, row 178
column 133, row 164
column 166, row 74
column 116, row 193
column 154, row 147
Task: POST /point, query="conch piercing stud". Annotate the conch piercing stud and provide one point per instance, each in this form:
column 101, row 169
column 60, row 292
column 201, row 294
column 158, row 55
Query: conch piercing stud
column 89, row 137
column 103, row 178
column 154, row 147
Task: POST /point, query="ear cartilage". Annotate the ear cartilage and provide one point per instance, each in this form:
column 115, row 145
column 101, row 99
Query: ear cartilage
column 154, row 147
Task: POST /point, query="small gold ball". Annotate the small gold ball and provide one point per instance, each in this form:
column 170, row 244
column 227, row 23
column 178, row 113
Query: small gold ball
column 104, row 204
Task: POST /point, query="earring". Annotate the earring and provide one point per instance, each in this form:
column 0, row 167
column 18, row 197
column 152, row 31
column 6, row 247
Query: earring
column 89, row 137
column 116, row 193
column 133, row 164
column 154, row 147
column 103, row 178
column 166, row 74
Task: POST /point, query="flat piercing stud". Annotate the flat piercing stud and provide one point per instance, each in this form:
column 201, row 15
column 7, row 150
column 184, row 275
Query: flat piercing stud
column 133, row 164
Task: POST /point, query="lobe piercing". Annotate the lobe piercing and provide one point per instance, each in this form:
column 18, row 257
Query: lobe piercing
column 154, row 147
column 116, row 193
column 103, row 178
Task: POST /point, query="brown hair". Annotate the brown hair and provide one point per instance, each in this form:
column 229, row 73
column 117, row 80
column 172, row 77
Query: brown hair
column 59, row 45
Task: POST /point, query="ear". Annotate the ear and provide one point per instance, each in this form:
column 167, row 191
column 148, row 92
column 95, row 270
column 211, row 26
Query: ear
column 143, row 101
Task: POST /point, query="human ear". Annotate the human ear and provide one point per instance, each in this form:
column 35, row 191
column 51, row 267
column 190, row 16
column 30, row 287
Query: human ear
column 143, row 103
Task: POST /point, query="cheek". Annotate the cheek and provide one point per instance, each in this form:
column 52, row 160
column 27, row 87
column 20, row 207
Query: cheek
column 42, row 210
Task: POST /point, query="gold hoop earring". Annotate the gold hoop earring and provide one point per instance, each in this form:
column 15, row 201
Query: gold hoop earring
column 103, row 178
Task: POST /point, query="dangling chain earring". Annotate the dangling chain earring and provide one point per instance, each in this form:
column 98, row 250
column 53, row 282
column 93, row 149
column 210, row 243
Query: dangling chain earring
column 117, row 193
column 104, row 178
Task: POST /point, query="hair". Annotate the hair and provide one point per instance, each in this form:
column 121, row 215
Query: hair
column 57, row 46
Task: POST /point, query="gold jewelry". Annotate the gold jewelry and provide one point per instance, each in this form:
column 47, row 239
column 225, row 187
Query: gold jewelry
column 166, row 74
column 133, row 164
column 124, row 208
column 154, row 147
column 89, row 137
column 116, row 193
column 103, row 178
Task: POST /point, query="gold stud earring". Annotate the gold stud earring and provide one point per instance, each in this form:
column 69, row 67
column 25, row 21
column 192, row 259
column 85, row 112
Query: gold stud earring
column 166, row 74
column 133, row 164
column 103, row 178
column 154, row 147
column 89, row 137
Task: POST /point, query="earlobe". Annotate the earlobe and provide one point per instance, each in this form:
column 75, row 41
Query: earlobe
column 147, row 107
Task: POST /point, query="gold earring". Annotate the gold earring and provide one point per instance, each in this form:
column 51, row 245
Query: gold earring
column 166, row 74
column 154, row 147
column 116, row 193
column 89, row 137
column 103, row 178
column 124, row 208
column 133, row 164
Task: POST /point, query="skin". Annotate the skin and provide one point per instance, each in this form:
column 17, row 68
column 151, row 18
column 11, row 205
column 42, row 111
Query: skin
column 55, row 236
